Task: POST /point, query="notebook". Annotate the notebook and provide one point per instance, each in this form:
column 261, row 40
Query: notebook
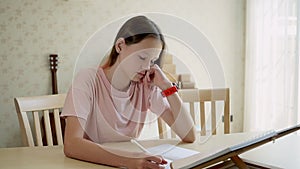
column 171, row 152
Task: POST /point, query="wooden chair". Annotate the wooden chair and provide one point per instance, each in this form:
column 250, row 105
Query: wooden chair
column 197, row 99
column 39, row 105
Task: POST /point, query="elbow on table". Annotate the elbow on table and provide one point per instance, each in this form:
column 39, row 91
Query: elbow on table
column 190, row 137
column 67, row 151
column 68, row 147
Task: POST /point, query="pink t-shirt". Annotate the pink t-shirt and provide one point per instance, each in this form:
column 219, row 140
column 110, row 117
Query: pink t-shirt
column 110, row 114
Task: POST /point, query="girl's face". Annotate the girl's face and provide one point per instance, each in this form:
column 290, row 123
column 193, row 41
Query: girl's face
column 136, row 59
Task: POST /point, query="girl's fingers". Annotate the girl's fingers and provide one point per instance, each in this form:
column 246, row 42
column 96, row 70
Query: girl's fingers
column 152, row 165
column 164, row 161
column 148, row 76
column 156, row 159
column 145, row 79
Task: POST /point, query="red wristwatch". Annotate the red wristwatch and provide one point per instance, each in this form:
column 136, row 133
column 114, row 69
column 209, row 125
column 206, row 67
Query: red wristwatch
column 170, row 90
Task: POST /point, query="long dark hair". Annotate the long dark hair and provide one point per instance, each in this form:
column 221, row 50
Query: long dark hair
column 134, row 31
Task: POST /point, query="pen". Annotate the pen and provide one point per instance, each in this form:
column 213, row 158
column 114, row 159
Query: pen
column 145, row 150
column 140, row 146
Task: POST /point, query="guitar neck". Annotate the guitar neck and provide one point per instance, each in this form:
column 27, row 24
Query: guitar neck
column 54, row 82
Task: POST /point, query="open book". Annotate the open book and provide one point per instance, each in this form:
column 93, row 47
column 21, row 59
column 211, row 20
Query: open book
column 171, row 152
column 233, row 150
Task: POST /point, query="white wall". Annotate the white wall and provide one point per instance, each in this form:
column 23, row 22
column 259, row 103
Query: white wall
column 30, row 30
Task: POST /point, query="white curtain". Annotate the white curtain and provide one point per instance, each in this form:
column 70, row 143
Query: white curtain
column 272, row 60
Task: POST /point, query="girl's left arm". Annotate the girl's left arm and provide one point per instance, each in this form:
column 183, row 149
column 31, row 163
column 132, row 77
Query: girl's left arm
column 179, row 119
column 176, row 117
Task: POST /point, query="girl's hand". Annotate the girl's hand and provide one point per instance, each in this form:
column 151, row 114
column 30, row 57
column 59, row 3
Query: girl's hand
column 147, row 162
column 155, row 76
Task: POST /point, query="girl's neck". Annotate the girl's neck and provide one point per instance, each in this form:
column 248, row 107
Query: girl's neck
column 116, row 77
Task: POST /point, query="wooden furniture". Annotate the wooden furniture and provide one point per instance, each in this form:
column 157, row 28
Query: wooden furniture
column 185, row 81
column 197, row 99
column 48, row 157
column 39, row 105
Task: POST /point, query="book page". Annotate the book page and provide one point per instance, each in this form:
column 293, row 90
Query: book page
column 172, row 152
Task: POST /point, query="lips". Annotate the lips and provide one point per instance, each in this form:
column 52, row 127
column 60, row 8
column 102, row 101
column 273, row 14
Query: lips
column 140, row 76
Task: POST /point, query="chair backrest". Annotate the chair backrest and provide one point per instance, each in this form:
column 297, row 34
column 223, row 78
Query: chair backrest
column 39, row 106
column 198, row 101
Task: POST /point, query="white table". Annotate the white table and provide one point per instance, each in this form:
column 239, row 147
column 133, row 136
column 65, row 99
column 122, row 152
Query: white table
column 285, row 153
column 40, row 158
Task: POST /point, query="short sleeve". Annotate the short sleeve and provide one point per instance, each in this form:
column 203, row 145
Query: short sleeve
column 79, row 100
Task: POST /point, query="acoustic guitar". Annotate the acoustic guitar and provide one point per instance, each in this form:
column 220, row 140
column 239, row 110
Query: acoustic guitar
column 53, row 60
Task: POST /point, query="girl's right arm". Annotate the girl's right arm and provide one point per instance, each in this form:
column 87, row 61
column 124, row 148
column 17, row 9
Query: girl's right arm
column 76, row 146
